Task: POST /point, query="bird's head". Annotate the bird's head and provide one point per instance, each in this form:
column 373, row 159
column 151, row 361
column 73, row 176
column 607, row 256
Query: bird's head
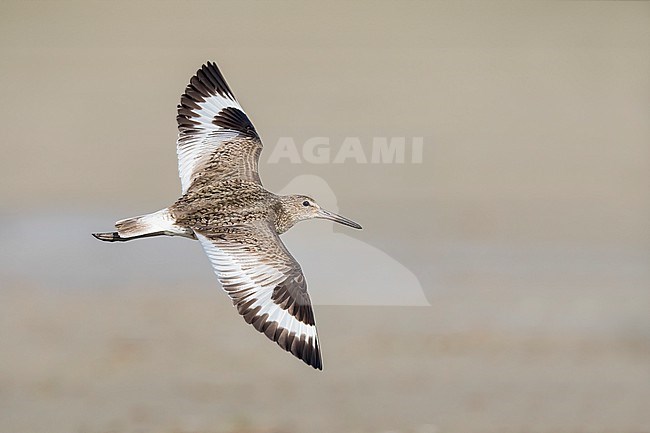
column 301, row 207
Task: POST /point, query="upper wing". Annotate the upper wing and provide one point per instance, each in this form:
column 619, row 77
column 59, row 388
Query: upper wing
column 215, row 137
column 266, row 285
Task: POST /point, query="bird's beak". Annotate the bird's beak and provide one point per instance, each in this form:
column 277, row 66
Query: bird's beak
column 325, row 214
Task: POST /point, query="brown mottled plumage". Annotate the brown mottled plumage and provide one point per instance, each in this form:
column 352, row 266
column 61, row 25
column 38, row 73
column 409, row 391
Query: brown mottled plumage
column 237, row 221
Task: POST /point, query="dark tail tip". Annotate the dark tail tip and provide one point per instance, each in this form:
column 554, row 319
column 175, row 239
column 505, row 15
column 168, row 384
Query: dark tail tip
column 109, row 237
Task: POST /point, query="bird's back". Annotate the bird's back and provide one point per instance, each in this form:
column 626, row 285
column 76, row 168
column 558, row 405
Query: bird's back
column 224, row 203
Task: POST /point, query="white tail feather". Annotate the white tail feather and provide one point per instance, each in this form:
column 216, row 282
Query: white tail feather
column 157, row 222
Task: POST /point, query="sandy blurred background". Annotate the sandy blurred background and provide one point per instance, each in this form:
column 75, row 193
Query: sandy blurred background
column 526, row 223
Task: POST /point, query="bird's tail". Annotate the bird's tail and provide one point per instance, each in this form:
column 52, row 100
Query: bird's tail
column 144, row 226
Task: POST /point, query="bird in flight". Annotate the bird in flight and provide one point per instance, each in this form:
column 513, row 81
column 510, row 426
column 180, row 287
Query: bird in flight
column 236, row 220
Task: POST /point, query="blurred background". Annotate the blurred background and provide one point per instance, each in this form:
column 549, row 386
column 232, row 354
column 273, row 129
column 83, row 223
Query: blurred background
column 526, row 224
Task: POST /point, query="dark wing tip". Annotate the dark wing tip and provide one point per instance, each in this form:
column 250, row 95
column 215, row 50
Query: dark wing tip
column 206, row 82
column 305, row 349
column 211, row 74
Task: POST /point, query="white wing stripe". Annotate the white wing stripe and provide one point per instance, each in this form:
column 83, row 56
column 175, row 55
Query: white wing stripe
column 230, row 272
column 198, row 136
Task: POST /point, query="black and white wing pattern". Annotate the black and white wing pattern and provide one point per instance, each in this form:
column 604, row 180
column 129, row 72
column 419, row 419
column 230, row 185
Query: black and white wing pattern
column 266, row 285
column 216, row 139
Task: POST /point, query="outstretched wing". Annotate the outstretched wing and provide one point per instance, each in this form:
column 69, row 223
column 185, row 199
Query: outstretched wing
column 266, row 285
column 216, row 139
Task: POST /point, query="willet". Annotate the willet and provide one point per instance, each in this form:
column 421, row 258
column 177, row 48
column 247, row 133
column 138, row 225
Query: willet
column 236, row 220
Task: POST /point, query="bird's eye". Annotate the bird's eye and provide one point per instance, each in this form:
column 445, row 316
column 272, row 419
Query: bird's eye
column 305, row 203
